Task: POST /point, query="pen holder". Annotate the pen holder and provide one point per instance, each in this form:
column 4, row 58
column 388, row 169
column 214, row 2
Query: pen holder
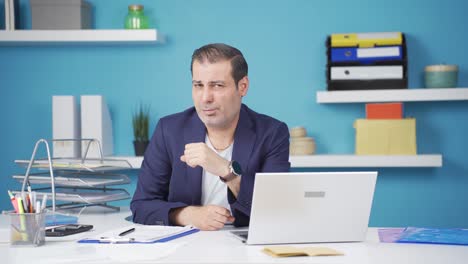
column 27, row 229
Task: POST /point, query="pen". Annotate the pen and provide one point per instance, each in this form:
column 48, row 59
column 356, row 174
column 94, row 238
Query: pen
column 33, row 201
column 13, row 201
column 44, row 202
column 30, row 199
column 20, row 205
column 126, row 232
column 29, row 206
column 116, row 240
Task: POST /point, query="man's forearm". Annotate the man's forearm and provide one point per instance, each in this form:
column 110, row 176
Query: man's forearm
column 234, row 185
column 180, row 216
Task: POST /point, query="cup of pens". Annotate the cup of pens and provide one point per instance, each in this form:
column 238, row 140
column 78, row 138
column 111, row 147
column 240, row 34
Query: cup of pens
column 27, row 221
column 27, row 229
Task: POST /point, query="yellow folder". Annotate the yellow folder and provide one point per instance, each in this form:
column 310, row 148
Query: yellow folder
column 366, row 40
column 385, row 136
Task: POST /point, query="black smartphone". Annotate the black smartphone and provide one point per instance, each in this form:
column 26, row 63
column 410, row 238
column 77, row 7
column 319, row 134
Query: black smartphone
column 66, row 230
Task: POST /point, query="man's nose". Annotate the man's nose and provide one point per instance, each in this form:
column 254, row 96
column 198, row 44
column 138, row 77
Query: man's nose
column 207, row 95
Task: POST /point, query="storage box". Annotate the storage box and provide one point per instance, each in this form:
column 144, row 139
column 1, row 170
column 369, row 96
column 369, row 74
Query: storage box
column 61, row 14
column 385, row 136
column 384, row 111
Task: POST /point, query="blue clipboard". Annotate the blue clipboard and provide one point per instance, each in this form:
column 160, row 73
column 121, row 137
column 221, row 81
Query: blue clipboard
column 448, row 236
column 162, row 240
column 55, row 219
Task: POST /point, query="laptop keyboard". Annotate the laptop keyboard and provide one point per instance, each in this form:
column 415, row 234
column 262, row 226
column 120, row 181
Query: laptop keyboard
column 242, row 234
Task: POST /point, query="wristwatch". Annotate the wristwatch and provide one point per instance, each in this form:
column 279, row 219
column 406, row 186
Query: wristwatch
column 234, row 171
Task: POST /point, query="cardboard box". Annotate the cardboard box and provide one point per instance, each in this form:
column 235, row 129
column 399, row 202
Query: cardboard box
column 61, row 14
column 386, row 136
column 384, row 111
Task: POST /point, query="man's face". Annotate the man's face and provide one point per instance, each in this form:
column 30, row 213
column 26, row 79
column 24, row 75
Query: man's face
column 214, row 93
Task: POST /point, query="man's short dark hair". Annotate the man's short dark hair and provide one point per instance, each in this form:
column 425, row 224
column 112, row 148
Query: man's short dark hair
column 218, row 52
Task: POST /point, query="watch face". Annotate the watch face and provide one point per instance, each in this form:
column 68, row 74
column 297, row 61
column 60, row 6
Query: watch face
column 236, row 167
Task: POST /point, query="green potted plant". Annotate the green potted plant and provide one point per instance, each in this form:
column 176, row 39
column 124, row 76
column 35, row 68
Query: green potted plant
column 140, row 122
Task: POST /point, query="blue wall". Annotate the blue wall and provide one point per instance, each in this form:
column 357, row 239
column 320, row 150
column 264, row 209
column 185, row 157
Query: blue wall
column 283, row 42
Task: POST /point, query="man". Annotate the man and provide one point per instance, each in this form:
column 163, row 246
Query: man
column 200, row 165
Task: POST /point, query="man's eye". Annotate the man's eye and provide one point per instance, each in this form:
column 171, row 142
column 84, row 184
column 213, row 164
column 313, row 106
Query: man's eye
column 218, row 85
column 197, row 85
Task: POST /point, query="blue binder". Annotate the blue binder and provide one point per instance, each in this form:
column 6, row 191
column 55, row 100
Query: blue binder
column 366, row 55
column 449, row 236
column 60, row 219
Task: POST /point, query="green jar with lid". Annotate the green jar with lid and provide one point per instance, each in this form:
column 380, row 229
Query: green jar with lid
column 136, row 18
column 441, row 76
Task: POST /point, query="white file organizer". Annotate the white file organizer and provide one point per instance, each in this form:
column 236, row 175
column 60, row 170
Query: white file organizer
column 77, row 182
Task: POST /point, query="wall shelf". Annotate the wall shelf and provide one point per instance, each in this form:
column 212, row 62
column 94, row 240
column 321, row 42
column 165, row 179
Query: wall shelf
column 91, row 36
column 365, row 161
column 342, row 161
column 394, row 95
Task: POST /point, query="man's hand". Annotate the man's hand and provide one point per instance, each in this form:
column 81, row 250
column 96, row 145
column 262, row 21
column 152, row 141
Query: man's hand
column 208, row 217
column 199, row 154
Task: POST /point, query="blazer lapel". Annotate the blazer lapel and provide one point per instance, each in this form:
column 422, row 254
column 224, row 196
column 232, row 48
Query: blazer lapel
column 195, row 132
column 244, row 140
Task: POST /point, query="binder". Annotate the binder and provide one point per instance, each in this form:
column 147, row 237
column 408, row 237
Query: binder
column 7, row 15
column 366, row 72
column 65, row 125
column 55, row 219
column 96, row 123
column 448, row 236
column 366, row 55
column 345, row 85
column 366, row 40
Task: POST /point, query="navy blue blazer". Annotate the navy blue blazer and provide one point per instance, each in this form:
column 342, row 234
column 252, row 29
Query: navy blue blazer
column 261, row 144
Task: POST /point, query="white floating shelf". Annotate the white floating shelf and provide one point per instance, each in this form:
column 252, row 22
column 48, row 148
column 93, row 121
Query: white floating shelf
column 344, row 161
column 364, row 161
column 394, row 95
column 93, row 36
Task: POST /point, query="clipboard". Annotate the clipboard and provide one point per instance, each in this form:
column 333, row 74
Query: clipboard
column 448, row 236
column 143, row 234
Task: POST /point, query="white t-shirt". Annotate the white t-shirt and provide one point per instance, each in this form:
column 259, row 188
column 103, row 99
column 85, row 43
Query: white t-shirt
column 214, row 191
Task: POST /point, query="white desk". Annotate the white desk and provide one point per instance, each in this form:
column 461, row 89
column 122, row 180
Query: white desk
column 212, row 247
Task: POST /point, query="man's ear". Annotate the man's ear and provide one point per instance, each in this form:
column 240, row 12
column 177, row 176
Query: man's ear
column 243, row 86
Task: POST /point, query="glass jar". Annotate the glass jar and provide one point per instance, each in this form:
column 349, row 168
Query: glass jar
column 135, row 18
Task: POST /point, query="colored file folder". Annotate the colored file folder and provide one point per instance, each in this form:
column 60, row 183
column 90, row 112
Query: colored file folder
column 366, row 55
column 366, row 72
column 343, row 85
column 449, row 236
column 55, row 219
column 366, row 40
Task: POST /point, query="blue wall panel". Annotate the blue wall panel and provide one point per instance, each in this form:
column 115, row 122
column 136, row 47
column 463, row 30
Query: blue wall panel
column 284, row 43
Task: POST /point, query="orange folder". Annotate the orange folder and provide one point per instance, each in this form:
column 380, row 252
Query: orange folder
column 384, row 111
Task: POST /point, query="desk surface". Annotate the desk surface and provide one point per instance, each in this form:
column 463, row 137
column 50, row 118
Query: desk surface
column 211, row 247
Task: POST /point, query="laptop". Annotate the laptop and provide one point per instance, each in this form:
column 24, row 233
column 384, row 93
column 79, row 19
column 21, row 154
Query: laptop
column 310, row 207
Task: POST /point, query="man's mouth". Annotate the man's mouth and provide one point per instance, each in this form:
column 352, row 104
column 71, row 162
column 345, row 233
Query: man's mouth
column 209, row 111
